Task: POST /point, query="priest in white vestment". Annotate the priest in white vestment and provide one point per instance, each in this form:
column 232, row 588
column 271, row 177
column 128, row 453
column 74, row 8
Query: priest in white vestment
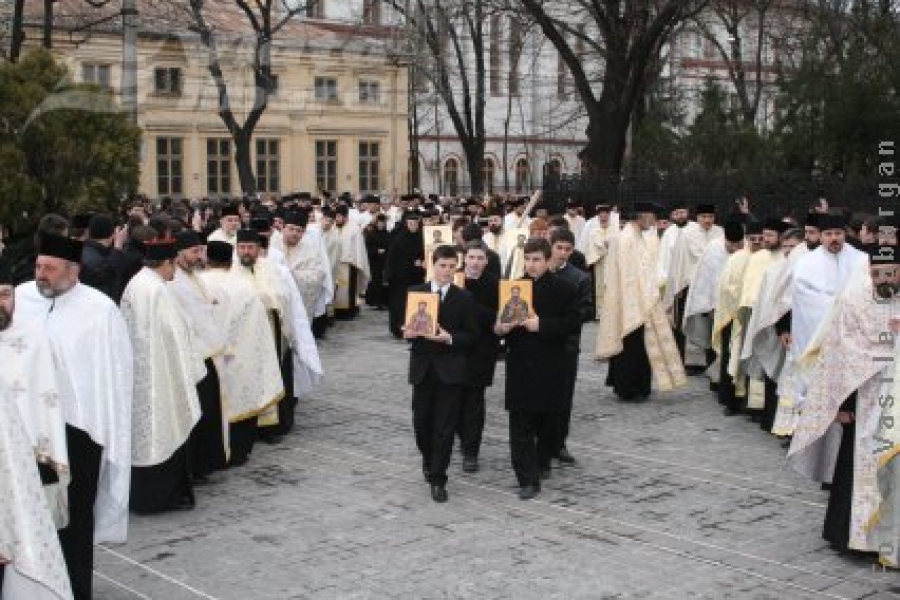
column 29, row 372
column 168, row 364
column 251, row 373
column 703, row 294
column 307, row 260
column 819, row 277
column 575, row 220
column 93, row 353
column 634, row 334
column 762, row 353
column 689, row 247
column 229, row 223
column 209, row 439
column 679, row 221
column 596, row 236
column 29, row 547
column 846, row 400
column 352, row 266
column 769, row 254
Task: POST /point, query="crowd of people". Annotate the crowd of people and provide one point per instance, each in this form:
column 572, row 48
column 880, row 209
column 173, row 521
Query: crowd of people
column 146, row 352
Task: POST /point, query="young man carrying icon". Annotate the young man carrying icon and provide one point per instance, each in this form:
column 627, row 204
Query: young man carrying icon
column 438, row 369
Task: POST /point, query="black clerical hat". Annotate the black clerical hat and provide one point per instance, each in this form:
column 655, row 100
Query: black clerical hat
column 734, row 231
column 342, row 210
column 187, row 238
column 59, row 247
column 6, row 274
column 247, row 236
column 706, row 209
column 229, row 210
column 261, row 224
column 812, row 219
column 830, row 221
column 776, row 224
column 219, row 252
column 160, row 249
column 297, row 218
column 754, row 227
column 328, row 212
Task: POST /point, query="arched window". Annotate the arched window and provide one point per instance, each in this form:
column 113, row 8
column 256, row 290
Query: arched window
column 488, row 171
column 523, row 176
column 451, row 177
column 553, row 168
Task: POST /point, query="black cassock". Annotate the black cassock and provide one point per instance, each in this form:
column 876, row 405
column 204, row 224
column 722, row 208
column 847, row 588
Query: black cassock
column 378, row 242
column 837, row 515
column 402, row 273
column 630, row 375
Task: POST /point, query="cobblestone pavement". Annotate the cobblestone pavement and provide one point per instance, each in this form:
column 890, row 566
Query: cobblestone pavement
column 670, row 499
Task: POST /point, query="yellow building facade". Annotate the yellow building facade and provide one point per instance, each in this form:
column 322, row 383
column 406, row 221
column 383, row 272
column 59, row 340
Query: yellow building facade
column 337, row 122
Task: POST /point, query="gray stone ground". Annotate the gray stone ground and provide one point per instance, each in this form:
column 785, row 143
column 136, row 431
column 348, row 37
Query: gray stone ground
column 669, row 500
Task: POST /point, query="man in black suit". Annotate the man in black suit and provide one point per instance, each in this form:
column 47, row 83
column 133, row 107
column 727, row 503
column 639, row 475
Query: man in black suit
column 577, row 258
column 562, row 243
column 438, row 369
column 536, row 369
column 474, row 233
column 485, row 289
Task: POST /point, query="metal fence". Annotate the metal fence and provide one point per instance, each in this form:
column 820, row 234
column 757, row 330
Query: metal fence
column 770, row 193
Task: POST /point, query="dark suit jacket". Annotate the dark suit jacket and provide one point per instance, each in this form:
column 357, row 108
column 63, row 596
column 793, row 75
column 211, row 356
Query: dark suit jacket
column 585, row 300
column 493, row 265
column 483, row 356
column 578, row 260
column 456, row 315
column 536, row 363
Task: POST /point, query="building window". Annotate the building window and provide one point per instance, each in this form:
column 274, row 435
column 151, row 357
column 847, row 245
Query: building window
column 368, row 167
column 369, row 92
column 522, row 176
column 515, row 52
column 315, row 9
column 218, row 166
column 326, row 165
column 371, row 12
column 451, row 177
column 169, row 166
column 267, row 165
column 167, row 81
column 487, row 170
column 95, row 74
column 494, row 56
column 326, row 89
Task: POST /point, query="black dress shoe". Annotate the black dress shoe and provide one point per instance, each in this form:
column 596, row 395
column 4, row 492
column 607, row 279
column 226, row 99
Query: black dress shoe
column 544, row 473
column 238, row 460
column 271, row 438
column 731, row 412
column 425, row 474
column 470, row 464
column 566, row 458
column 527, row 492
column 438, row 493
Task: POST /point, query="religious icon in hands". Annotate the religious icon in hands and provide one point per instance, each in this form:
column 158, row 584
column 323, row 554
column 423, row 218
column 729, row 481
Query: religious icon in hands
column 516, row 302
column 421, row 315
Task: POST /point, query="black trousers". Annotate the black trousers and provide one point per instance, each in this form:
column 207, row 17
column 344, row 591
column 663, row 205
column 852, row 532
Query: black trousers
column 242, row 435
column 161, row 487
column 727, row 390
column 288, row 404
column 630, row 375
column 771, row 406
column 77, row 539
column 471, row 420
column 396, row 306
column 678, row 314
column 206, row 446
column 532, row 443
column 565, row 417
column 836, row 529
column 435, row 408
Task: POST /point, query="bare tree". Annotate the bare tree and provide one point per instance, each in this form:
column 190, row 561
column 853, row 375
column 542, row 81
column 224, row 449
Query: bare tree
column 451, row 34
column 624, row 36
column 265, row 19
column 746, row 62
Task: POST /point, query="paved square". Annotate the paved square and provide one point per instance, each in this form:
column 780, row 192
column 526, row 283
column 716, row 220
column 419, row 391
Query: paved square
column 670, row 499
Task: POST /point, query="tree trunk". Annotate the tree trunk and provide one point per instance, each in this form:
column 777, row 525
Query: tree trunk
column 48, row 24
column 243, row 161
column 475, row 158
column 18, row 31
